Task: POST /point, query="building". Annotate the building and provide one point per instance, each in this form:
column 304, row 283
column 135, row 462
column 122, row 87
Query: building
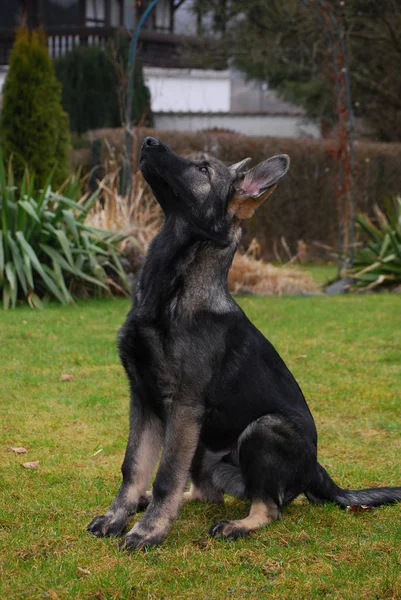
column 206, row 99
column 191, row 86
column 69, row 23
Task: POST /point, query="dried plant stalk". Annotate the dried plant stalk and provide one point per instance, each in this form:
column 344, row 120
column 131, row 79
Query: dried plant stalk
column 249, row 274
column 138, row 214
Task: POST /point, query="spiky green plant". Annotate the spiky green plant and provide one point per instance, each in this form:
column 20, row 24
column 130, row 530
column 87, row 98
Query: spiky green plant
column 46, row 249
column 378, row 262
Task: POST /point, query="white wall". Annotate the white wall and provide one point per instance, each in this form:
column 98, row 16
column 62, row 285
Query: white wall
column 188, row 90
column 276, row 126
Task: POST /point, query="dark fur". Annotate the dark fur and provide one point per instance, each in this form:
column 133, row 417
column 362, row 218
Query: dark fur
column 207, row 388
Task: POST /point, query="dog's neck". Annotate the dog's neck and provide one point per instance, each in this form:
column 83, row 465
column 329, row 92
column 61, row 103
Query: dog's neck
column 184, row 273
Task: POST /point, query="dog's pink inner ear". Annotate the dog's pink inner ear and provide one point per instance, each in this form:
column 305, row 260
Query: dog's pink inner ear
column 264, row 175
column 245, row 205
column 250, row 187
column 253, row 187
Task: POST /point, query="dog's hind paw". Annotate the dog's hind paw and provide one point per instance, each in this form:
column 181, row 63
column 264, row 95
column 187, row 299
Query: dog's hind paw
column 107, row 525
column 144, row 501
column 228, row 530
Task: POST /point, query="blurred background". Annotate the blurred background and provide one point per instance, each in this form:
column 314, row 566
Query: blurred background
column 317, row 79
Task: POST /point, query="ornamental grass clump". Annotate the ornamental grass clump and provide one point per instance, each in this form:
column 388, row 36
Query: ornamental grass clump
column 46, row 248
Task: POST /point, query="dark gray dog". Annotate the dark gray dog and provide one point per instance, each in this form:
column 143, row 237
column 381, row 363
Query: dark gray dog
column 207, row 389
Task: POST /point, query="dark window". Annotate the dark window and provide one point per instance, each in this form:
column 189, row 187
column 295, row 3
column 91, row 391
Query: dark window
column 61, row 12
column 9, row 13
column 96, row 13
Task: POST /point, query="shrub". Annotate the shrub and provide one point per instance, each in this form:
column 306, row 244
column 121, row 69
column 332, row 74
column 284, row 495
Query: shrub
column 378, row 262
column 34, row 129
column 92, row 78
column 87, row 79
column 46, row 248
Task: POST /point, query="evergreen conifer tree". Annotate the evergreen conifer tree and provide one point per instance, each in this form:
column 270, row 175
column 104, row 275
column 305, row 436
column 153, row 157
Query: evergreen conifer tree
column 34, row 128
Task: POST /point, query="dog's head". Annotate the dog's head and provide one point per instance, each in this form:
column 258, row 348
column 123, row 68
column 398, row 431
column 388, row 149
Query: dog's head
column 207, row 193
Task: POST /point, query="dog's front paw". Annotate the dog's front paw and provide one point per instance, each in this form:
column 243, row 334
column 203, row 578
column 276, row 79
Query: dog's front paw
column 143, row 536
column 109, row 525
column 228, row 530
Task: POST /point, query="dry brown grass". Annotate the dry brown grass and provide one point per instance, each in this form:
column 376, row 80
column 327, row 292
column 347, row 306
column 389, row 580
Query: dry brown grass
column 138, row 214
column 249, row 274
column 141, row 217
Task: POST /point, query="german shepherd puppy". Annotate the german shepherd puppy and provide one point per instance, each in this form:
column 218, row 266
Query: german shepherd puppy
column 208, row 390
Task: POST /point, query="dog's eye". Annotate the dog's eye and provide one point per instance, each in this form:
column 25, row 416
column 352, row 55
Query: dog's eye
column 203, row 170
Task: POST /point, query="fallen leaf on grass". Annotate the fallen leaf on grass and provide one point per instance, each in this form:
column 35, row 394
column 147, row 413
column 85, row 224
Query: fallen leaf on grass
column 201, row 542
column 83, row 571
column 301, row 356
column 66, row 377
column 31, row 465
column 52, row 595
column 356, row 508
column 19, row 450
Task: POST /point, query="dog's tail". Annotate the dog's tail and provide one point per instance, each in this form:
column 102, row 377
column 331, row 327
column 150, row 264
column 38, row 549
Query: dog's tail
column 322, row 489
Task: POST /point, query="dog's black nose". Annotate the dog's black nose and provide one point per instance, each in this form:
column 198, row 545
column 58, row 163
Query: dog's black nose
column 150, row 141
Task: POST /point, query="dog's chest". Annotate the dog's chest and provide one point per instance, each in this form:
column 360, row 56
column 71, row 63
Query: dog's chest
column 157, row 361
column 144, row 351
column 168, row 361
column 194, row 299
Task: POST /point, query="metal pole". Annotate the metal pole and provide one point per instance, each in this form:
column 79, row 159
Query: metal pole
column 350, row 135
column 334, row 52
column 333, row 38
column 127, row 172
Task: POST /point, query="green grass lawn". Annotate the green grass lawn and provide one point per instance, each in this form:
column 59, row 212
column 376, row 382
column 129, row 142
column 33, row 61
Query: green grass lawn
column 346, row 354
column 321, row 273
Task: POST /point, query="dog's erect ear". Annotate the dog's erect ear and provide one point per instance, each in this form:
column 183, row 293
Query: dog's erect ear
column 239, row 167
column 254, row 186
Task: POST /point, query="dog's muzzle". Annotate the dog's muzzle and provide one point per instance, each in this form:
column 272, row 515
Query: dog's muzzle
column 150, row 142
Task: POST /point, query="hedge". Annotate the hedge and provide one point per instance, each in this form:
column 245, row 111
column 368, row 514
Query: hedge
column 304, row 204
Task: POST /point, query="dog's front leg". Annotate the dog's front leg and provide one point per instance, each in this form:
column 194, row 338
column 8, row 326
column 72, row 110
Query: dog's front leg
column 143, row 449
column 181, row 440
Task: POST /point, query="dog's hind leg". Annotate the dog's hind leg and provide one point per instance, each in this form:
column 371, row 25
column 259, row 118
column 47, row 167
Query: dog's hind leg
column 262, row 513
column 143, row 448
column 213, row 474
column 276, row 463
column 194, row 494
column 202, row 485
column 144, row 501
